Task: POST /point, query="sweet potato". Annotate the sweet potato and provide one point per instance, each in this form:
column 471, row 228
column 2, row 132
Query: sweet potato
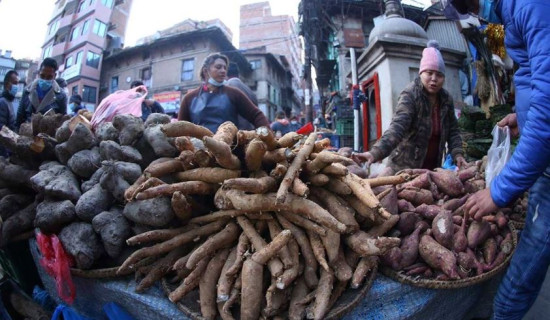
column 422, row 181
column 489, row 250
column 437, row 256
column 448, row 182
column 473, row 186
column 404, row 205
column 393, row 258
column 114, row 229
column 442, row 229
column 409, row 248
column 460, row 242
column 478, row 232
column 80, row 241
column 156, row 212
column 93, row 202
column 407, row 222
column 416, row 196
column 468, row 173
column 428, row 212
column 454, row 204
column 51, row 216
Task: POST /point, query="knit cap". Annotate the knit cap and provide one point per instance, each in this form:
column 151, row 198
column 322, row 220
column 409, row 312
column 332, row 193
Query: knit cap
column 431, row 58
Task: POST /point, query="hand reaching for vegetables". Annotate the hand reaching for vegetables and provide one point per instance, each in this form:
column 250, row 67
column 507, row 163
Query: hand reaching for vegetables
column 460, row 162
column 363, row 157
column 480, row 204
column 511, row 121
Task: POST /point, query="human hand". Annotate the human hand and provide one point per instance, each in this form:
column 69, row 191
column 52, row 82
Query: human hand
column 480, row 204
column 363, row 157
column 460, row 162
column 511, row 120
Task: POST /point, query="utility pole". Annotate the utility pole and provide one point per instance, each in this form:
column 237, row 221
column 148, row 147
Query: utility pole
column 308, row 95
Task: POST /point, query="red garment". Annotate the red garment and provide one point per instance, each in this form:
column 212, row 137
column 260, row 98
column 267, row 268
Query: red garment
column 431, row 160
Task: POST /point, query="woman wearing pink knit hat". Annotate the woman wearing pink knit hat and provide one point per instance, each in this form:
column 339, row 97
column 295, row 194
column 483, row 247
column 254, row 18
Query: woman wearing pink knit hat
column 424, row 124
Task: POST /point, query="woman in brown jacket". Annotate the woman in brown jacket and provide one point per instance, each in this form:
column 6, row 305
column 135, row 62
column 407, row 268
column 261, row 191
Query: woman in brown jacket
column 423, row 123
column 213, row 102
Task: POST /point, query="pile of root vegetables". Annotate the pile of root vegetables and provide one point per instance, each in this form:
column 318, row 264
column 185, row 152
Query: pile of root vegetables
column 439, row 240
column 268, row 227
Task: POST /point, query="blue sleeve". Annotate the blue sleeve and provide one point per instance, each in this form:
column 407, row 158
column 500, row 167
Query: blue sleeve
column 532, row 154
column 4, row 113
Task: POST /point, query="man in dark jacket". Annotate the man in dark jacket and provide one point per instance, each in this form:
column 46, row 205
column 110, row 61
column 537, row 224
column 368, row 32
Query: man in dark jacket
column 527, row 41
column 43, row 95
column 148, row 106
column 7, row 116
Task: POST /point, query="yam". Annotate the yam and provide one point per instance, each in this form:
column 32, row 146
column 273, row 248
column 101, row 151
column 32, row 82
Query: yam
column 18, row 223
column 113, row 229
column 448, row 182
column 155, row 212
column 159, row 142
column 51, row 216
column 13, row 203
column 110, row 150
column 81, row 242
column 84, row 163
column 478, row 232
column 442, row 229
column 106, row 132
column 130, row 128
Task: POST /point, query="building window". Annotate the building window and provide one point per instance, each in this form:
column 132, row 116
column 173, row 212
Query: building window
column 53, row 27
column 47, row 52
column 89, row 94
column 107, row 3
column 74, row 90
column 146, row 76
column 75, row 33
column 85, row 27
column 79, row 57
column 85, row 4
column 114, row 84
column 69, row 62
column 187, row 69
column 256, row 64
column 92, row 59
column 100, row 28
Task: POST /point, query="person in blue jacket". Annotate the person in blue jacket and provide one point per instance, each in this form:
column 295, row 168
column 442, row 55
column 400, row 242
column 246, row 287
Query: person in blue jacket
column 527, row 41
column 42, row 95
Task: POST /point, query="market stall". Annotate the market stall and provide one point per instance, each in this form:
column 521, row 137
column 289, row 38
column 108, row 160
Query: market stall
column 164, row 214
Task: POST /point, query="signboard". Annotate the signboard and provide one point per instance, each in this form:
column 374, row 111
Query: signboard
column 71, row 72
column 169, row 100
column 354, row 38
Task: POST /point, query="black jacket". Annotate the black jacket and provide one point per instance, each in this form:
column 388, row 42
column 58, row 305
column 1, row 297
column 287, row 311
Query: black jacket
column 55, row 100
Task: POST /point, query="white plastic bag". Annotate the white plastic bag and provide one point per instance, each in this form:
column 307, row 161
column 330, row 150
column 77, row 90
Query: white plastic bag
column 498, row 154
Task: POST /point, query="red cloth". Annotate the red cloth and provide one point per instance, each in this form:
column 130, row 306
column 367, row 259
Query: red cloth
column 431, row 160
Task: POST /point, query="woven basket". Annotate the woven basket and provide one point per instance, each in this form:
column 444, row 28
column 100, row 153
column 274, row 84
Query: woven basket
column 418, row 281
column 347, row 301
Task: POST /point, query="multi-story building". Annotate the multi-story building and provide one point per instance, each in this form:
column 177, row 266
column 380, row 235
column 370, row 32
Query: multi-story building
column 259, row 28
column 7, row 63
column 79, row 33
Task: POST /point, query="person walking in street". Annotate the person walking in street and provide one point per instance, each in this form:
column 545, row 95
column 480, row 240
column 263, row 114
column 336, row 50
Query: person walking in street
column 527, row 40
column 75, row 104
column 42, row 95
column 424, row 122
column 148, row 106
column 214, row 103
column 7, row 115
column 280, row 126
column 234, row 81
column 294, row 124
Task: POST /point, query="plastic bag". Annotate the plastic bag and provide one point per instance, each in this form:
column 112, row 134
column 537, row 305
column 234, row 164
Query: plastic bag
column 119, row 102
column 56, row 263
column 498, row 154
column 63, row 312
column 448, row 164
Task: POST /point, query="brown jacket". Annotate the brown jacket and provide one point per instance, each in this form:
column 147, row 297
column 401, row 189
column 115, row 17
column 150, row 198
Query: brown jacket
column 406, row 140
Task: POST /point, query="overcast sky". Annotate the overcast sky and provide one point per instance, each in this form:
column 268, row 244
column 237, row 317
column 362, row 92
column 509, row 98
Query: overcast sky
column 24, row 22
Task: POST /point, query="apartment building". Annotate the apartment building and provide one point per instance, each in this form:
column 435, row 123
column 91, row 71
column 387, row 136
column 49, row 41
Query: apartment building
column 79, row 33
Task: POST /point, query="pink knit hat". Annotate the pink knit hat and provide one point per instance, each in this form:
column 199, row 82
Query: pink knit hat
column 431, row 58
